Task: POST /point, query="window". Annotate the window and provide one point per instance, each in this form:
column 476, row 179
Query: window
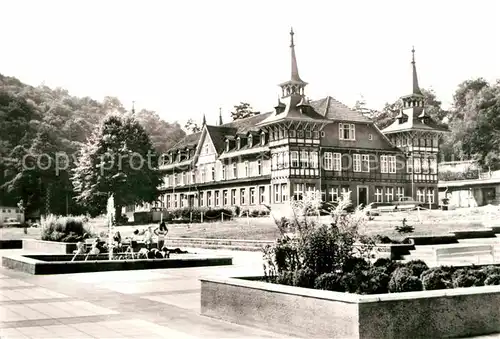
column 183, row 178
column 259, row 167
column 235, row 171
column 227, row 145
column 252, row 195
column 213, row 173
column 392, row 164
column 308, row 134
column 304, row 159
column 238, row 143
column 430, row 195
column 300, row 134
column 425, row 165
column 365, row 163
column 242, row 196
column 294, row 157
column 250, row 140
column 389, row 194
column 209, row 198
column 357, row 163
column 247, row 170
column 378, row 194
column 284, row 192
column 417, row 166
column 337, row 161
column 370, row 136
column 298, row 191
column 346, row 191
column 333, row 193
column 176, row 200
column 262, row 194
column 233, row 197
column 169, row 202
column 280, row 160
column 435, row 141
column 201, row 199
column 286, row 159
column 276, row 192
column 383, row 164
column 422, row 142
column 292, row 133
column 217, row 198
column 262, row 139
column 400, row 192
column 347, row 132
column 223, row 172
column 224, row 196
column 421, row 194
column 433, row 165
column 203, row 175
column 409, row 165
column 315, row 134
column 275, row 161
column 328, row 161
column 314, row 159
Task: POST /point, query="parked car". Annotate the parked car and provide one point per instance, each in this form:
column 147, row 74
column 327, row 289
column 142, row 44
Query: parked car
column 407, row 203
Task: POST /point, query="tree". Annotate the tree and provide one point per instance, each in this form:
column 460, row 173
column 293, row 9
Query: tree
column 192, row 127
column 119, row 159
column 242, row 111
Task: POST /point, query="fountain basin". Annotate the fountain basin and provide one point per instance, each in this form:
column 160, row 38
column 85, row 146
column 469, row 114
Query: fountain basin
column 61, row 263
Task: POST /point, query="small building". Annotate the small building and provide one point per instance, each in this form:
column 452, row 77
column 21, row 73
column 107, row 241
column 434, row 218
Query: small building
column 465, row 185
column 9, row 214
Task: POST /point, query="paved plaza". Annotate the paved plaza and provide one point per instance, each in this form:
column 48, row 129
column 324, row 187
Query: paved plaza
column 162, row 303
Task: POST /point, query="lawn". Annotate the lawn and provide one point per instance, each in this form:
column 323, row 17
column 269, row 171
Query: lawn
column 426, row 222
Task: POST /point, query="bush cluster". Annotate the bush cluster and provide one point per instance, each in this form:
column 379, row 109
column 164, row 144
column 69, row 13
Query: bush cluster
column 64, row 229
column 336, row 257
column 193, row 214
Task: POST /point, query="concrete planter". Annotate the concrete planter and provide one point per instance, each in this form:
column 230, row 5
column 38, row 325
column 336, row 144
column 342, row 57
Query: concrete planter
column 302, row 312
column 43, row 246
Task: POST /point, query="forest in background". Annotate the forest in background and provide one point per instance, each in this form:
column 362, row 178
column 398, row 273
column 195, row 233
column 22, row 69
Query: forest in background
column 41, row 120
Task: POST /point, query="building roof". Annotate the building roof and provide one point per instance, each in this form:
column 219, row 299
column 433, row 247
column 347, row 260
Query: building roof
column 219, row 133
column 333, row 109
column 414, row 123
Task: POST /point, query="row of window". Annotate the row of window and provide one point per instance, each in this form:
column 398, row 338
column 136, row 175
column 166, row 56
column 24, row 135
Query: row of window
column 219, row 198
column 386, row 194
column 8, row 210
column 401, row 141
column 295, row 159
column 208, row 173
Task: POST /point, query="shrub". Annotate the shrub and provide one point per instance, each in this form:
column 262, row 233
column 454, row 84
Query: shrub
column 329, row 282
column 285, row 278
column 389, row 265
column 376, row 281
column 404, row 228
column 417, row 267
column 491, row 270
column 355, row 265
column 304, row 278
column 436, row 279
column 492, row 280
column 63, row 229
column 403, row 280
column 466, row 277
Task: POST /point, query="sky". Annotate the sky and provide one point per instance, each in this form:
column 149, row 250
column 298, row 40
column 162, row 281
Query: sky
column 187, row 58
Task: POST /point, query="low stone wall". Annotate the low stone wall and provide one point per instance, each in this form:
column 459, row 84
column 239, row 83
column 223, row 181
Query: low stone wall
column 43, row 246
column 41, row 264
column 309, row 313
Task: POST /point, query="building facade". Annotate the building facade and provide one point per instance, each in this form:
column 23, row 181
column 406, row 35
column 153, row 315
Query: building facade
column 305, row 145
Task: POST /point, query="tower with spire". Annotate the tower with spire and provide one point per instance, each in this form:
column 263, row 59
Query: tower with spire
column 418, row 135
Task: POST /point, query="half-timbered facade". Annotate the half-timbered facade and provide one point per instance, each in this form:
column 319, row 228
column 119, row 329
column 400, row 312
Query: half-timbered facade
column 302, row 145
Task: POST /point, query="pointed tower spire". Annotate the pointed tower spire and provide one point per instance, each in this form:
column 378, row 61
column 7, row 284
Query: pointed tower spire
column 295, row 70
column 416, row 88
column 220, row 116
column 295, row 85
column 204, row 120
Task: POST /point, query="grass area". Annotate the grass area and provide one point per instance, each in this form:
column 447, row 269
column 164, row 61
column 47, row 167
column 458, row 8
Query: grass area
column 426, row 222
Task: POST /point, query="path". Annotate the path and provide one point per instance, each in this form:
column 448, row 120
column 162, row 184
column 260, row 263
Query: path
column 127, row 304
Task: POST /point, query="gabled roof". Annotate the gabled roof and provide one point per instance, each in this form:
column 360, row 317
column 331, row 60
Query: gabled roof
column 414, row 123
column 333, row 109
column 219, row 133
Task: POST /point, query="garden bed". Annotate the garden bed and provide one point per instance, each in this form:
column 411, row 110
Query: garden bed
column 307, row 312
column 62, row 264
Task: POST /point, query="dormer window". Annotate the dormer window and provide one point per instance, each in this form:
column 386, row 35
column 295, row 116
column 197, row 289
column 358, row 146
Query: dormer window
column 227, row 145
column 238, row 143
column 250, row 141
column 262, row 139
